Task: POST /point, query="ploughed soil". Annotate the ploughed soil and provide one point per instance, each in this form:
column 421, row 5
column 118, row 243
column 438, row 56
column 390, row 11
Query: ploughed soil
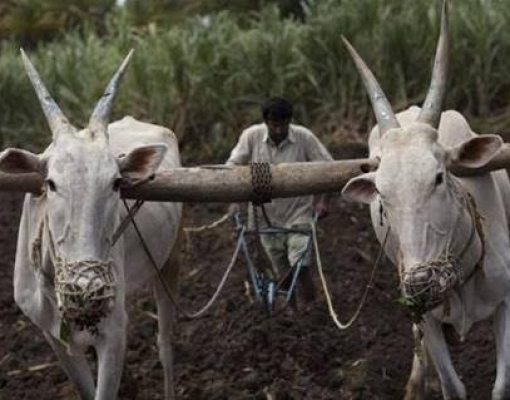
column 237, row 351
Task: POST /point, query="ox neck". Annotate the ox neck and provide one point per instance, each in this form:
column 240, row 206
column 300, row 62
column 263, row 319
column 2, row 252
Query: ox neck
column 468, row 202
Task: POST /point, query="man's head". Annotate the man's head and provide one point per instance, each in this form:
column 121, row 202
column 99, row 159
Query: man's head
column 277, row 113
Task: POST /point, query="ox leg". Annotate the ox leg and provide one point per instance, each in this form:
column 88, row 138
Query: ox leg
column 110, row 360
column 76, row 368
column 415, row 388
column 501, row 388
column 434, row 340
column 423, row 379
column 166, row 320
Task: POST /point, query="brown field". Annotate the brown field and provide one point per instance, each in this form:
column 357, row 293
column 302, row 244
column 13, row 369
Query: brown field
column 238, row 352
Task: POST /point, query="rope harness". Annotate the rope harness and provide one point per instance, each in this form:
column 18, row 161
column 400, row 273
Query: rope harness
column 84, row 290
column 429, row 284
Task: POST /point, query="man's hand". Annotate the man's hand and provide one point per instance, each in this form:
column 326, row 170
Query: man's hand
column 321, row 209
column 234, row 208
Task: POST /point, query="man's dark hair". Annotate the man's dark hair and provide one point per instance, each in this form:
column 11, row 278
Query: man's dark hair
column 276, row 109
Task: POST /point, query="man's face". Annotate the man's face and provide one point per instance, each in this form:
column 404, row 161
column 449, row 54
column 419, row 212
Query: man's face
column 278, row 129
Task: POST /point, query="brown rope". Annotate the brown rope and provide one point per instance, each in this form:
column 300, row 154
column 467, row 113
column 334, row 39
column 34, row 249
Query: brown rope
column 369, row 285
column 164, row 284
column 261, row 180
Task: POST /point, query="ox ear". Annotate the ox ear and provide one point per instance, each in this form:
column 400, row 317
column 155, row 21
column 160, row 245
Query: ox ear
column 476, row 152
column 361, row 189
column 141, row 163
column 17, row 161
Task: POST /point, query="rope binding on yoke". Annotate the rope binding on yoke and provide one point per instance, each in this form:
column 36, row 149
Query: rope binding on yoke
column 261, row 180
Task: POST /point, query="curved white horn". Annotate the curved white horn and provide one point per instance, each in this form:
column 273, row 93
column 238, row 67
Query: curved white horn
column 431, row 110
column 382, row 108
column 56, row 119
column 98, row 122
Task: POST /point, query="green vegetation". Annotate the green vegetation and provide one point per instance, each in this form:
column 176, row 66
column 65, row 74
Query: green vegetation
column 205, row 77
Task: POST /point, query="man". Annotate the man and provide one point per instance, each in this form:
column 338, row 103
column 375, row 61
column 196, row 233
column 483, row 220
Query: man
column 275, row 141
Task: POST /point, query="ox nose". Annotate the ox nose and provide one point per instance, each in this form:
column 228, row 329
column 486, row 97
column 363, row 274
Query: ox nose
column 429, row 283
column 87, row 280
column 85, row 292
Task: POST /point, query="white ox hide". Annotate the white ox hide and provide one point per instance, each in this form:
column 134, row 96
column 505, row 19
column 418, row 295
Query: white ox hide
column 434, row 219
column 413, row 193
column 70, row 279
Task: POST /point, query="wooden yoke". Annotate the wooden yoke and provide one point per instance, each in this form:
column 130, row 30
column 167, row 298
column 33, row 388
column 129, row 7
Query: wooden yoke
column 220, row 183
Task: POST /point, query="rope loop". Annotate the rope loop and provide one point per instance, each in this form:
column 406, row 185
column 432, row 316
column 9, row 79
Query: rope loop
column 332, row 313
column 262, row 182
column 164, row 284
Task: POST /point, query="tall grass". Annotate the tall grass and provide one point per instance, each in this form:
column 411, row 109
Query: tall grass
column 206, row 79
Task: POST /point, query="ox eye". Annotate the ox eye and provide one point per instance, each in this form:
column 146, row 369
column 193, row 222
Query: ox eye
column 117, row 183
column 51, row 185
column 439, row 178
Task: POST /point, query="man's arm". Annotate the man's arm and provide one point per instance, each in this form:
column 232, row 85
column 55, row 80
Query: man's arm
column 241, row 153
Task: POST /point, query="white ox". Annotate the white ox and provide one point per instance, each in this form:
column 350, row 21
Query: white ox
column 454, row 228
column 70, row 279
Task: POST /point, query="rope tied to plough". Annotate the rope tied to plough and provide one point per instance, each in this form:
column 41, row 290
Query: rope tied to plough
column 225, row 217
column 332, row 312
column 262, row 193
column 327, row 293
column 162, row 280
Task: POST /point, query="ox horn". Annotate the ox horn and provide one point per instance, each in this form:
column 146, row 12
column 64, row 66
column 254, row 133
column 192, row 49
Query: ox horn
column 99, row 119
column 56, row 119
column 382, row 108
column 431, row 110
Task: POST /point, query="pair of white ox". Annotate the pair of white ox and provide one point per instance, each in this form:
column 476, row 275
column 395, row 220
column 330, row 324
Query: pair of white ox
column 443, row 232
column 70, row 278
column 72, row 283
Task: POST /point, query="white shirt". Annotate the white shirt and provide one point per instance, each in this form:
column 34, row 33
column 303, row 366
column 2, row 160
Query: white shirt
column 301, row 145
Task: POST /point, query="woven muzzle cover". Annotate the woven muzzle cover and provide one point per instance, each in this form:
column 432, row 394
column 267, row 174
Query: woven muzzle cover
column 85, row 293
column 428, row 285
